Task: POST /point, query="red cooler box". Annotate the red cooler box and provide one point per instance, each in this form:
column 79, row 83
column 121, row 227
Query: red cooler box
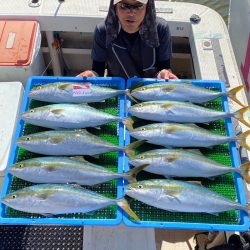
column 20, row 51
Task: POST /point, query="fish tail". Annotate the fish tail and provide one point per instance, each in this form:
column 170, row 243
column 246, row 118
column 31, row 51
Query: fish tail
column 244, row 169
column 128, row 93
column 233, row 92
column 240, row 115
column 243, row 140
column 131, row 175
column 123, row 204
column 128, row 122
column 130, row 149
column 247, row 209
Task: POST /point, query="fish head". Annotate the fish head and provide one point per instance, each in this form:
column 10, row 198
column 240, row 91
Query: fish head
column 19, row 199
column 33, row 140
column 30, row 199
column 36, row 114
column 153, row 188
column 141, row 187
column 140, row 108
column 25, row 168
column 42, row 90
column 141, row 91
column 140, row 159
column 142, row 133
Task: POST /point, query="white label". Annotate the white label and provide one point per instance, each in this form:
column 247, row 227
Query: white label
column 11, row 40
column 82, row 90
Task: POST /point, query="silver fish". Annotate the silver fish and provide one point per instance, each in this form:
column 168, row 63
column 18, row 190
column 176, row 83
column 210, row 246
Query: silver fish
column 73, row 92
column 66, row 170
column 184, row 163
column 188, row 135
column 69, row 142
column 69, row 116
column 179, row 196
column 53, row 199
column 183, row 112
column 181, row 91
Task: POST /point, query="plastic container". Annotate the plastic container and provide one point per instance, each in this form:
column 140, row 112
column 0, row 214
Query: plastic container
column 20, row 51
column 113, row 132
column 228, row 185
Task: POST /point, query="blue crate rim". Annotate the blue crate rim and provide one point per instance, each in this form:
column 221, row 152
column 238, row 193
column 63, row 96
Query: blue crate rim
column 234, row 158
column 14, row 152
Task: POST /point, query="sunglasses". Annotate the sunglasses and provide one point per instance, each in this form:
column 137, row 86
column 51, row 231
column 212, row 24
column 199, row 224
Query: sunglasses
column 127, row 6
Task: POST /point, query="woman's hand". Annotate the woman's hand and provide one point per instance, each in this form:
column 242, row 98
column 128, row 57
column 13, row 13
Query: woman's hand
column 166, row 74
column 88, row 73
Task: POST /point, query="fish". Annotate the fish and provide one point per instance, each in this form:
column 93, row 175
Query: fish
column 68, row 143
column 68, row 116
column 55, row 199
column 185, row 135
column 184, row 163
column 180, row 196
column 73, row 92
column 182, row 112
column 67, row 170
column 180, row 91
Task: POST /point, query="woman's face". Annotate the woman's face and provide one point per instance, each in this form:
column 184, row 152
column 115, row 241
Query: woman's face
column 129, row 17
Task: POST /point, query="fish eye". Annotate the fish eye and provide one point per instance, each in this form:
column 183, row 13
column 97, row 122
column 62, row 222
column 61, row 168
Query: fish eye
column 140, row 186
column 143, row 129
column 27, row 138
column 13, row 196
column 20, row 165
column 140, row 105
column 143, row 88
column 142, row 157
column 32, row 111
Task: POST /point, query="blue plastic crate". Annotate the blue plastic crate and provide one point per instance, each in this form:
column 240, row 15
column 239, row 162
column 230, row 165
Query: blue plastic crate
column 157, row 218
column 103, row 216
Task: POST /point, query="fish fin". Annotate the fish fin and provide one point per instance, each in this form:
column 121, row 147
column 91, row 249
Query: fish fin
column 95, row 156
column 50, row 169
column 194, row 150
column 192, row 125
column 57, row 111
column 197, row 183
column 56, row 140
column 75, row 185
column 137, row 85
column 240, row 116
column 130, row 149
column 244, row 169
column 83, row 130
column 128, row 122
column 170, row 194
column 48, row 215
column 64, row 86
column 131, row 175
column 168, row 88
column 83, row 104
column 243, row 140
column 97, row 128
column 233, row 92
column 167, row 176
column 167, row 106
column 128, row 93
column 43, row 196
column 78, row 158
column 90, row 213
column 123, row 204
